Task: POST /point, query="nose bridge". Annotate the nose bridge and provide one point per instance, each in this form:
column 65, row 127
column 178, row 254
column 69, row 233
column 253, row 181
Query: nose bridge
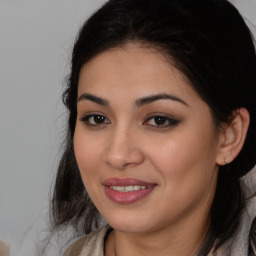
column 123, row 149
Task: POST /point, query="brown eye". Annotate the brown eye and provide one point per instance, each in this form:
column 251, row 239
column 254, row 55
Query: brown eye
column 95, row 120
column 160, row 121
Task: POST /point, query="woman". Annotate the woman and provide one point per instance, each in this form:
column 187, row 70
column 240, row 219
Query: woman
column 161, row 101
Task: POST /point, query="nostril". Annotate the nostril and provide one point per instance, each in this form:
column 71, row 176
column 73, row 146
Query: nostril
column 121, row 152
column 116, row 163
column 123, row 160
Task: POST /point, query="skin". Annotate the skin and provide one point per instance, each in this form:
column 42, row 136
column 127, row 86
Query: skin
column 180, row 158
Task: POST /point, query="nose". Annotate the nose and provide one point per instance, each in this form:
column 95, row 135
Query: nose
column 123, row 150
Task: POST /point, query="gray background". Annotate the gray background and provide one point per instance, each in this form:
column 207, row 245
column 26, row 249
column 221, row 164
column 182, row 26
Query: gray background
column 36, row 38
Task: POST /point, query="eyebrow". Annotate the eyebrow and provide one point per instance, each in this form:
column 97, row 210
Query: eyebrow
column 163, row 96
column 138, row 103
column 93, row 98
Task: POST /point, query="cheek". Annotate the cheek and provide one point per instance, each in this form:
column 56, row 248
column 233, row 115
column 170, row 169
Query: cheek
column 188, row 173
column 87, row 153
column 186, row 157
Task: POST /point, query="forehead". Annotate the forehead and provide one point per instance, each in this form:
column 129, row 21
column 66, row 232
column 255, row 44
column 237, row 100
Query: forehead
column 133, row 70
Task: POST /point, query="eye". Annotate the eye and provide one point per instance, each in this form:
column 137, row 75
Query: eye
column 160, row 121
column 94, row 120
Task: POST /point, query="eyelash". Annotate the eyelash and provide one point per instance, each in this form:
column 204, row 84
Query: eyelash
column 167, row 121
column 86, row 120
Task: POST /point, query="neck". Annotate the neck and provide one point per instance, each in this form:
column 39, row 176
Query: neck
column 181, row 240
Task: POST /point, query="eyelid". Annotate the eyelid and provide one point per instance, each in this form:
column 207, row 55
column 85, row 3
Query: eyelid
column 86, row 116
column 171, row 120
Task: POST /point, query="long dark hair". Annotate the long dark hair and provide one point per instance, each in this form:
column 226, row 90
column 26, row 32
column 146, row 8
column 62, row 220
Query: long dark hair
column 209, row 42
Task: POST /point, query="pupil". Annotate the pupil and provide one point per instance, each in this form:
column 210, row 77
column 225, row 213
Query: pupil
column 99, row 119
column 160, row 120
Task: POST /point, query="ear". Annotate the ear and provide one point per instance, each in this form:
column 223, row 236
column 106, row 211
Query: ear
column 232, row 136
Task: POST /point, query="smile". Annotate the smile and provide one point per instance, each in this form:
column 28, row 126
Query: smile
column 127, row 190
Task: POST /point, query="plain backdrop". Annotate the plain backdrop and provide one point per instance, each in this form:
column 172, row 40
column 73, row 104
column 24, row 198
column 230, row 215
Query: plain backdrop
column 36, row 38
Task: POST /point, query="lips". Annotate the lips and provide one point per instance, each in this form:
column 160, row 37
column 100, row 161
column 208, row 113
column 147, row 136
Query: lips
column 127, row 190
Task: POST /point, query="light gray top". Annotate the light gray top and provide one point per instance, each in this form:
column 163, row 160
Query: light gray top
column 238, row 244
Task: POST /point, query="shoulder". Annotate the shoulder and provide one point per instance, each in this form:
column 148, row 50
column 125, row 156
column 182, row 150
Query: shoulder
column 91, row 244
column 253, row 238
column 243, row 241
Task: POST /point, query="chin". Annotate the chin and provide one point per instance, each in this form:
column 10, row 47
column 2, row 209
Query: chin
column 129, row 223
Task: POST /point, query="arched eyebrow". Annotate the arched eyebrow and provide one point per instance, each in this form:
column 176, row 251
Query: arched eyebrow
column 96, row 99
column 138, row 103
column 163, row 96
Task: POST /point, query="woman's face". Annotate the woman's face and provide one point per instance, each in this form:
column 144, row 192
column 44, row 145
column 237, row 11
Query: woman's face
column 144, row 141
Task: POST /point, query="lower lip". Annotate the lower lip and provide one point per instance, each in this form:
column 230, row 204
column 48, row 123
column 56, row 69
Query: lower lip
column 127, row 197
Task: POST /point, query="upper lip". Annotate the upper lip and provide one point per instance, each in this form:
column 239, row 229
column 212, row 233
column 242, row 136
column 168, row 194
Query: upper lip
column 114, row 181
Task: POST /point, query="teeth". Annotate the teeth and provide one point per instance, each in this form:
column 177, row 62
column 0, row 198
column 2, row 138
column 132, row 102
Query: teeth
column 127, row 188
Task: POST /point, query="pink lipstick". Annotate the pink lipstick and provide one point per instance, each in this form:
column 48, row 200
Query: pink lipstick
column 127, row 190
